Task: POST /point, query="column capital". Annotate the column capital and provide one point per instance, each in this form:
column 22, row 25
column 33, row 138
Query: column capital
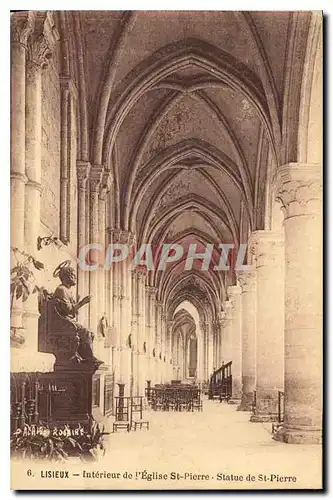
column 233, row 292
column 264, row 246
column 67, row 83
column 171, row 324
column 140, row 272
column 105, row 184
column 247, row 280
column 228, row 308
column 82, row 173
column 121, row 236
column 43, row 39
column 152, row 290
column 299, row 189
column 21, row 26
column 204, row 326
column 95, row 177
column 159, row 304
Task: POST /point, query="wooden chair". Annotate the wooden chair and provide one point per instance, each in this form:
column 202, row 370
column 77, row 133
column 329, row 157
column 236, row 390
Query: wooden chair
column 123, row 414
column 137, row 420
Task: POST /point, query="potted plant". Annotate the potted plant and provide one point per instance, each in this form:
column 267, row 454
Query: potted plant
column 27, row 443
column 22, row 285
column 91, row 444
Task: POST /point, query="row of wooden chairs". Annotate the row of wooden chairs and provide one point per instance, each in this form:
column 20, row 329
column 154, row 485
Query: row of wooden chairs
column 169, row 398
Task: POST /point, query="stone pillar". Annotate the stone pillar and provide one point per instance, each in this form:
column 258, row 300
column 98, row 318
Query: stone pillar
column 21, row 27
column 22, row 24
column 135, row 332
column 82, row 172
column 159, row 311
column 165, row 360
column 142, row 368
column 300, row 192
column 101, row 273
column 151, row 297
column 247, row 282
column 215, row 342
column 39, row 51
column 94, row 183
column 234, row 293
column 210, row 340
column 227, row 332
column 170, row 357
column 40, row 46
column 267, row 248
column 64, row 160
column 116, row 298
column 124, row 277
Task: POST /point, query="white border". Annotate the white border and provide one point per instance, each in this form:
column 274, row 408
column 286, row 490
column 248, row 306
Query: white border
column 5, row 161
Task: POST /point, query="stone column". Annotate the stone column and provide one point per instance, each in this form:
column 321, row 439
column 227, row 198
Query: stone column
column 165, row 377
column 151, row 332
column 40, row 46
column 135, row 331
column 21, row 27
column 64, row 160
column 82, row 172
column 116, row 298
column 247, row 282
column 22, row 24
column 219, row 335
column 210, row 340
column 159, row 359
column 234, row 293
column 267, row 248
column 300, row 192
column 170, row 357
column 125, row 307
column 142, row 368
column 215, row 342
column 227, row 332
column 39, row 51
column 94, row 183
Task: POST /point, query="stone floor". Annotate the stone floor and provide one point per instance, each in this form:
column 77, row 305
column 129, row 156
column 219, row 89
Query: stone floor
column 217, row 441
column 215, row 449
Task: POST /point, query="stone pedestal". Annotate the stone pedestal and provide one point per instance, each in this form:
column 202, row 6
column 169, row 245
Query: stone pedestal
column 300, row 192
column 267, row 249
column 247, row 282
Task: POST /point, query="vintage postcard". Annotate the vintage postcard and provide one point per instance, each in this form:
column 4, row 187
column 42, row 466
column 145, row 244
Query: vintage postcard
column 166, row 250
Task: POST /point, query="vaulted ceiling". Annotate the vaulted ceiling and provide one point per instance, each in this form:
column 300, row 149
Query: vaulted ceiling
column 187, row 109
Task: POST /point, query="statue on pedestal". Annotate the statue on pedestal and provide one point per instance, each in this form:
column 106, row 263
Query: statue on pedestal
column 59, row 332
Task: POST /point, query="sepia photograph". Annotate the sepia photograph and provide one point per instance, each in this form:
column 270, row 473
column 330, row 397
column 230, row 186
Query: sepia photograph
column 166, row 250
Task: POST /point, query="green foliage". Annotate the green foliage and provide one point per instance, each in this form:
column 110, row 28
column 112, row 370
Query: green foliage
column 22, row 276
column 44, row 445
column 38, row 446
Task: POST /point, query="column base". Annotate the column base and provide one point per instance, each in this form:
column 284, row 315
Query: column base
column 263, row 418
column 234, row 401
column 246, row 403
column 299, row 436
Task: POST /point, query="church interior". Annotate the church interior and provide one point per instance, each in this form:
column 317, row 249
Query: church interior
column 183, row 128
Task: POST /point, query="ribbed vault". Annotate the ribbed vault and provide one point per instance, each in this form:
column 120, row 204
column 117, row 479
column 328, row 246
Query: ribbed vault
column 191, row 122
